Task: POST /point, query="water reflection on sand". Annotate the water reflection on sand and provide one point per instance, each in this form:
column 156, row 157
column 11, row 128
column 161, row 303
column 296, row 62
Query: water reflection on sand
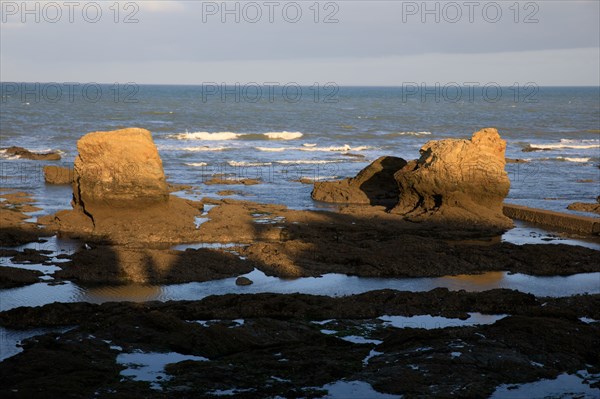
column 119, row 293
column 330, row 284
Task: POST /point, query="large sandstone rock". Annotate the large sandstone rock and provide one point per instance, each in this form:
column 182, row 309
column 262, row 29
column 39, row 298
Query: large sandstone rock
column 374, row 185
column 118, row 169
column 120, row 194
column 456, row 180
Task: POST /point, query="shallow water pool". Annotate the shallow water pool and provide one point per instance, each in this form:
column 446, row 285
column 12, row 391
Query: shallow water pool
column 330, row 284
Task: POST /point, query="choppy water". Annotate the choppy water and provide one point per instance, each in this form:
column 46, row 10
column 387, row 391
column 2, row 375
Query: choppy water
column 280, row 141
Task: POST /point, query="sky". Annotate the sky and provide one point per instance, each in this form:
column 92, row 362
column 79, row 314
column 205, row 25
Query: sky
column 370, row 43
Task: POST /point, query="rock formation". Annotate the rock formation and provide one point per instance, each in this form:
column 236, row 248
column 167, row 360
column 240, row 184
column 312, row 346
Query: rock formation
column 118, row 169
column 454, row 180
column 120, row 193
column 457, row 180
column 58, row 175
column 374, row 185
column 586, row 207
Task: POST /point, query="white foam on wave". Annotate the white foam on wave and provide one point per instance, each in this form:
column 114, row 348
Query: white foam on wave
column 223, row 136
column 309, row 161
column 4, row 155
column 45, row 151
column 579, row 141
column 344, row 148
column 218, row 136
column 9, row 157
column 196, row 164
column 273, row 149
column 559, row 146
column 582, row 144
column 578, row 160
column 283, row 135
column 244, row 163
column 204, row 148
column 322, row 178
column 567, row 159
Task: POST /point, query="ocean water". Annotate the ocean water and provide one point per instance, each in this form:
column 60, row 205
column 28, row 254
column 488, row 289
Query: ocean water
column 321, row 134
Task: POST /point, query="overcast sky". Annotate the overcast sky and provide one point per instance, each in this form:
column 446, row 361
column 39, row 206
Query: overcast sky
column 372, row 42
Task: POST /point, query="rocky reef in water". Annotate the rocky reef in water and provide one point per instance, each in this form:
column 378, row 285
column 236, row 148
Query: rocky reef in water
column 24, row 153
column 586, row 206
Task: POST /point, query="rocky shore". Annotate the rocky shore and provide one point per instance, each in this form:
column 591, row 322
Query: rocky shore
column 269, row 345
column 14, row 227
column 439, row 215
column 586, row 206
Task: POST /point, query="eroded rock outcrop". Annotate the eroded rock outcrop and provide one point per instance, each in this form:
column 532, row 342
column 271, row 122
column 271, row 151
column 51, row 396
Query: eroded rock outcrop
column 374, row 185
column 120, row 194
column 458, row 181
column 118, row 168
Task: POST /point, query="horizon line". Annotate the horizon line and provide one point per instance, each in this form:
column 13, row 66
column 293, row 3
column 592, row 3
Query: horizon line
column 291, row 82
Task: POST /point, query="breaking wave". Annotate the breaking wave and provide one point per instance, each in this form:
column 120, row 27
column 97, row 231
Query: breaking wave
column 204, row 148
column 283, row 135
column 222, row 136
column 309, row 161
column 4, row 155
column 344, row 148
column 568, row 144
column 244, row 163
column 567, row 159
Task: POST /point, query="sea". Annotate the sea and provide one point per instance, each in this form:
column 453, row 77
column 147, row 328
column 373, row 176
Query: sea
column 282, row 134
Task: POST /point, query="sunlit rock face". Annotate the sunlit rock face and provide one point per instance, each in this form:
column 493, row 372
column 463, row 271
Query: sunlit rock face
column 120, row 194
column 118, row 168
column 457, row 180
